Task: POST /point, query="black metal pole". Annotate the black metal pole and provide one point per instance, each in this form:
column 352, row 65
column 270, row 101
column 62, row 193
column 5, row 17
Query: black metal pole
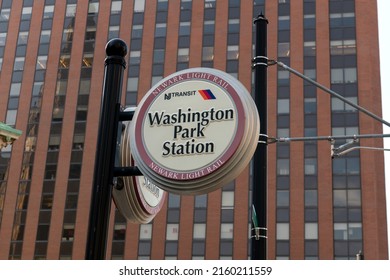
column 115, row 64
column 259, row 192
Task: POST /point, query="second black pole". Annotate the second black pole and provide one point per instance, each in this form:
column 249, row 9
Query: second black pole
column 259, row 190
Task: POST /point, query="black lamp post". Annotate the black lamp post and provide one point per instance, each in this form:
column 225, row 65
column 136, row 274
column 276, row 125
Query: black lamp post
column 115, row 64
column 259, row 192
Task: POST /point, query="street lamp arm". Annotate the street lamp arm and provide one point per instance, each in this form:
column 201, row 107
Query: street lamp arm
column 331, row 92
column 357, row 148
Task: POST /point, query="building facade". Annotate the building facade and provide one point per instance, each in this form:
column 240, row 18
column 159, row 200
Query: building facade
column 51, row 73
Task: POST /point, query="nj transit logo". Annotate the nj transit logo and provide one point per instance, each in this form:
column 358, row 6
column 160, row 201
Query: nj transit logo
column 205, row 93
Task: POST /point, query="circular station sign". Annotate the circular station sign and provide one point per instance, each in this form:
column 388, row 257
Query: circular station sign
column 194, row 131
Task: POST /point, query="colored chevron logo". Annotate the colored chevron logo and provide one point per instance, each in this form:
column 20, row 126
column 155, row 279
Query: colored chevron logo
column 206, row 94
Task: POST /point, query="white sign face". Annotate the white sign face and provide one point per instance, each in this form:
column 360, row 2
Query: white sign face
column 194, row 131
column 189, row 125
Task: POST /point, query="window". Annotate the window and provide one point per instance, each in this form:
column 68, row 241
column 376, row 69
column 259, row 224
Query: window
column 15, row 89
column 283, row 75
column 185, row 28
column 116, row 7
column 158, row 55
column 208, row 54
column 283, row 132
column 310, row 166
column 68, row 232
column 209, row 4
column 199, row 231
column 284, row 49
column 22, row 38
column 67, row 35
column 282, row 198
column 339, row 105
column 310, row 73
column 41, row 62
column 311, row 198
column 4, row 14
column 48, row 11
column 309, row 48
column 113, row 32
column 64, row 61
column 342, row 19
column 87, row 60
column 226, row 231
column 19, row 63
column 234, row 26
column 173, row 200
column 201, row 201
column 343, row 75
column 71, row 10
column 282, row 231
column 310, row 105
column 227, row 199
column 132, row 84
column 232, row 52
column 161, row 30
column 3, row 37
column 162, row 5
column 311, row 231
column 93, row 8
column 284, row 22
column 350, row 231
column 145, row 232
column 283, row 106
column 139, row 6
column 342, row 47
column 26, row 13
column 186, row 4
column 45, row 36
column 183, row 55
column 172, row 232
column 11, row 117
column 137, row 31
column 283, row 167
column 309, row 21
column 208, row 27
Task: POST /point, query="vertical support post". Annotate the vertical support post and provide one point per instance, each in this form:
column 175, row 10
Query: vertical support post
column 259, row 192
column 115, row 64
